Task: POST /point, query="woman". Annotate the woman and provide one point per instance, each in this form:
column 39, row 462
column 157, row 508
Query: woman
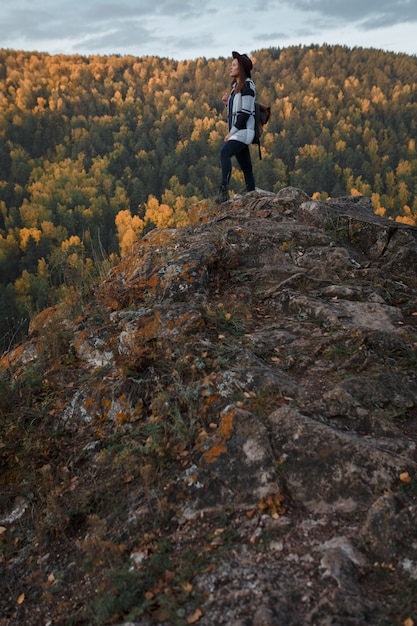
column 240, row 105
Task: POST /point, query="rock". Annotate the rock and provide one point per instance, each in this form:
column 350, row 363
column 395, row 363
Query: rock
column 235, row 407
column 345, row 470
column 237, row 466
column 391, row 532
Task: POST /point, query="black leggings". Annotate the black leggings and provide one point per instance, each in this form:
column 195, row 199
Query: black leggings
column 242, row 153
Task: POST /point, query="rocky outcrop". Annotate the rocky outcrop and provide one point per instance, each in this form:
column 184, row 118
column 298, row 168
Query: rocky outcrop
column 270, row 351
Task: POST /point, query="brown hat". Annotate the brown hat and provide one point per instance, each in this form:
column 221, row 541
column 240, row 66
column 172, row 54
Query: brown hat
column 245, row 62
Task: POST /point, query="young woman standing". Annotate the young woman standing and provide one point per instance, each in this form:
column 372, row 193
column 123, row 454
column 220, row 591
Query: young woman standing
column 240, row 105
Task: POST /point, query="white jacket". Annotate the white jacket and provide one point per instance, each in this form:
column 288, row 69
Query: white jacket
column 242, row 103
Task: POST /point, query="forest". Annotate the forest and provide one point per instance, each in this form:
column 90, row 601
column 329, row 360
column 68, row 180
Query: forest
column 96, row 151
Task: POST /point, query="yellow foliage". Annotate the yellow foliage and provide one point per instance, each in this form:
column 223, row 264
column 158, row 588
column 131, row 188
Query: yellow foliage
column 73, row 241
column 273, row 505
column 32, row 214
column 25, row 233
column 129, row 228
column 408, row 217
column 214, row 137
column 404, row 168
column 43, row 268
column 380, row 211
column 181, row 145
column 161, row 215
column 22, row 284
column 137, row 224
column 73, row 260
column 123, row 222
column 201, row 126
column 378, row 95
column 48, row 228
column 287, row 108
column 351, row 81
column 126, row 242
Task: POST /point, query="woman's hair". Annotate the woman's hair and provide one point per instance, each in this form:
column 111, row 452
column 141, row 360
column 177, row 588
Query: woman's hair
column 241, row 79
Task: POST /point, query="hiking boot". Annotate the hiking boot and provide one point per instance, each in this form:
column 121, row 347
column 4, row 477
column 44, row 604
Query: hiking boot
column 222, row 194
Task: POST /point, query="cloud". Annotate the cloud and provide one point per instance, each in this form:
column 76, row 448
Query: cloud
column 178, row 8
column 98, row 27
column 122, row 36
column 264, row 37
column 370, row 14
column 185, row 29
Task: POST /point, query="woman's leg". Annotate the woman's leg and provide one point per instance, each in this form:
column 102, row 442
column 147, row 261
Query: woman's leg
column 245, row 162
column 229, row 149
column 242, row 153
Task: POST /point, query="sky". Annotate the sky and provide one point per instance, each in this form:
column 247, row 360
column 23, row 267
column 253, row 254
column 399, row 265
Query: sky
column 190, row 29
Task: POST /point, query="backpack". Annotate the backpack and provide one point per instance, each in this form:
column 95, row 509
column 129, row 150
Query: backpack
column 262, row 115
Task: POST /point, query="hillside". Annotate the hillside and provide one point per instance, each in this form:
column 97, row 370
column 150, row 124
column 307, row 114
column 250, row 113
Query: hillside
column 96, row 151
column 223, row 431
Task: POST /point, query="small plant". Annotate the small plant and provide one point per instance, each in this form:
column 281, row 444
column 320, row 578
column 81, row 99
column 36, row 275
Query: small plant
column 408, row 484
column 300, row 315
column 289, row 246
column 159, row 591
column 240, row 276
column 340, row 350
column 341, row 227
column 225, row 323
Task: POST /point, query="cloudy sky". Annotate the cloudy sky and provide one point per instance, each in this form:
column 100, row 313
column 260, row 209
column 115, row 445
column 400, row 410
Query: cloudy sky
column 187, row 29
